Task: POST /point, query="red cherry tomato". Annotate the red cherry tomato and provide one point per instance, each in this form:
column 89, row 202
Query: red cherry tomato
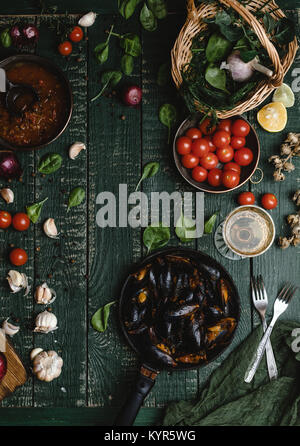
column 226, row 154
column 237, row 142
column 21, row 221
column 18, row 257
column 243, row 157
column 269, row 201
column 206, row 127
column 246, row 198
column 221, row 139
column 240, row 128
column 65, row 48
column 76, row 34
column 190, row 161
column 212, row 147
column 232, row 166
column 5, row 219
column 200, row 147
column 184, row 145
column 199, row 174
column 193, row 133
column 230, row 179
column 209, row 161
column 214, row 177
column 225, row 125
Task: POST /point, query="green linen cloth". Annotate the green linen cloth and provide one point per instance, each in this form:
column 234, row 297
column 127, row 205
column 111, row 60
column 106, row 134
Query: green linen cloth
column 228, row 401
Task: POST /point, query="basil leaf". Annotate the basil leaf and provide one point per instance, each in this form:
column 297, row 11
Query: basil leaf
column 102, row 52
column 149, row 171
column 131, row 44
column 34, row 210
column 148, row 19
column 185, row 229
column 210, row 223
column 50, row 163
column 168, row 117
column 76, row 197
column 163, row 74
column 159, row 8
column 127, row 8
column 155, row 237
column 108, row 79
column 216, row 77
column 99, row 320
column 127, row 64
column 218, row 48
column 5, row 38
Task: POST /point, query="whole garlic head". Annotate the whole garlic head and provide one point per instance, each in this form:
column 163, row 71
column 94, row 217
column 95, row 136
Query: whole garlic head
column 44, row 295
column 47, row 365
column 9, row 329
column 75, row 149
column 7, row 195
column 45, row 322
column 50, row 228
column 88, row 19
column 18, row 281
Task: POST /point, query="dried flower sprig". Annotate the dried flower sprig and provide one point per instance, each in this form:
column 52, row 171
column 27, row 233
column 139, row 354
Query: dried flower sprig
column 294, row 223
column 283, row 162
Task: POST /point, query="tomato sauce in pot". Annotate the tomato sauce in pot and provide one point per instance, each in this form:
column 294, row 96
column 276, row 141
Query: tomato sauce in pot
column 43, row 119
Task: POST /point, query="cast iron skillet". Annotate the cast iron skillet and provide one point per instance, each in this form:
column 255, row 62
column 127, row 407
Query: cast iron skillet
column 149, row 371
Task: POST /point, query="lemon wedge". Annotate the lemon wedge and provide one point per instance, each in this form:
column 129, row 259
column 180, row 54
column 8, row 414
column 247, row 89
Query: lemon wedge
column 273, row 117
column 285, row 95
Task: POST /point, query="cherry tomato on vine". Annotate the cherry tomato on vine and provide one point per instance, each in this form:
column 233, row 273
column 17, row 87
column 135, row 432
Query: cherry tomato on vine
column 65, row 48
column 238, row 142
column 212, row 147
column 232, row 166
column 230, row 179
column 18, row 257
column 193, row 133
column 240, row 128
column 246, row 198
column 206, row 127
column 21, row 221
column 243, row 157
column 199, row 174
column 269, row 201
column 214, row 177
column 225, row 125
column 184, row 145
column 225, row 154
column 76, row 34
column 221, row 139
column 190, row 161
column 209, row 161
column 5, row 219
column 200, row 147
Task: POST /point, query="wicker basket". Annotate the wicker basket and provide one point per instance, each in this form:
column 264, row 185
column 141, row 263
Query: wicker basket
column 181, row 54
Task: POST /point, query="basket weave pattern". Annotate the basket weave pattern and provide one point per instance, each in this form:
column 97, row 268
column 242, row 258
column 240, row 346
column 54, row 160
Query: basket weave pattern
column 181, row 52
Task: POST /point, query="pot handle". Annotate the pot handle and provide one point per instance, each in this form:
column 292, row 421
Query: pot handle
column 141, row 389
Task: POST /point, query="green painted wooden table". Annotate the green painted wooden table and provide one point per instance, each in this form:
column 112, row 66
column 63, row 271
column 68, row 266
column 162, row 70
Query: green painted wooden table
column 88, row 264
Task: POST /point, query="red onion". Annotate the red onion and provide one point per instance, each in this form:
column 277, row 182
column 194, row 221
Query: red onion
column 24, row 35
column 16, row 35
column 132, row 95
column 9, row 165
column 31, row 33
column 3, row 366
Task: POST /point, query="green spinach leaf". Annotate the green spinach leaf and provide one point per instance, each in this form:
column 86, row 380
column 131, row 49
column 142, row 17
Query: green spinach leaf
column 155, row 237
column 131, row 44
column 76, row 197
column 216, row 77
column 210, row 223
column 185, row 229
column 218, row 48
column 148, row 19
column 127, row 64
column 149, row 171
column 108, row 79
column 168, row 117
column 163, row 74
column 50, row 163
column 34, row 210
column 159, row 8
column 128, row 7
column 100, row 318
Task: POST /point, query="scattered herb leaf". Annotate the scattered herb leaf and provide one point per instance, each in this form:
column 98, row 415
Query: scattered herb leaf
column 163, row 74
column 185, row 229
column 76, row 197
column 108, row 79
column 127, row 64
column 50, row 163
column 159, row 8
column 210, row 223
column 148, row 19
column 34, row 210
column 168, row 117
column 155, row 237
column 100, row 318
column 149, row 171
column 216, row 77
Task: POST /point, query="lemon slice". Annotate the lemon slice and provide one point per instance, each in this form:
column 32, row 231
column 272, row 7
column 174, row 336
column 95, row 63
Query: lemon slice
column 273, row 117
column 285, row 95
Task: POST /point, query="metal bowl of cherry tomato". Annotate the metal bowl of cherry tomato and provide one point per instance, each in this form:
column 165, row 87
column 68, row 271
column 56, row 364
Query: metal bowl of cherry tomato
column 216, row 159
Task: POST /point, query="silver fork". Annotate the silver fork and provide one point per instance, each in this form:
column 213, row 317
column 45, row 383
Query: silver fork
column 260, row 302
column 280, row 305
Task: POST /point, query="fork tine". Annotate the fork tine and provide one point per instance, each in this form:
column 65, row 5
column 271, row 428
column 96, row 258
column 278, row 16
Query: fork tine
column 283, row 292
column 263, row 289
column 290, row 294
column 254, row 290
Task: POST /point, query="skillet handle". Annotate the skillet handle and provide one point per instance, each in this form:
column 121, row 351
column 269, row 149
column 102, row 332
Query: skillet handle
column 142, row 387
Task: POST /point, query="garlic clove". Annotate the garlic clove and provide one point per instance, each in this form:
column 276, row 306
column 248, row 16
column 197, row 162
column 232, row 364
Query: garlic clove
column 36, row 351
column 18, row 281
column 45, row 322
column 75, row 149
column 7, row 195
column 9, row 328
column 50, row 228
column 88, row 19
column 44, row 295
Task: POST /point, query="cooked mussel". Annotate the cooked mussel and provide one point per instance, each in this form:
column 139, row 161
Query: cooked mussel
column 219, row 333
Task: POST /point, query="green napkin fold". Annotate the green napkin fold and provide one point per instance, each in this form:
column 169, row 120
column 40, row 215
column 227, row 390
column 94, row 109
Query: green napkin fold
column 228, row 401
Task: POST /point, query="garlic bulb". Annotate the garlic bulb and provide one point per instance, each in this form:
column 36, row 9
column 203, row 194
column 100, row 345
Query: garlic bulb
column 9, row 328
column 18, row 281
column 50, row 228
column 44, row 295
column 45, row 322
column 88, row 19
column 75, row 149
column 7, row 195
column 35, row 352
column 47, row 365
